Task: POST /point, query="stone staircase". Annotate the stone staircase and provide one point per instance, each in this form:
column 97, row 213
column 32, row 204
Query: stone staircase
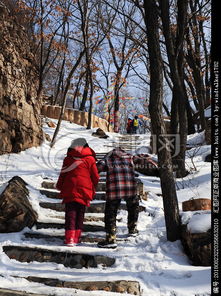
column 45, row 235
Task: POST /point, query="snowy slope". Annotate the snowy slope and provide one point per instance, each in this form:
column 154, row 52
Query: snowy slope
column 160, row 266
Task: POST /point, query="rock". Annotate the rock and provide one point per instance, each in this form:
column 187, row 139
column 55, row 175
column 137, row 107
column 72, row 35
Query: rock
column 198, row 204
column 100, row 134
column 51, row 124
column 48, row 185
column 91, row 288
column 20, row 119
column 144, row 164
column 7, row 292
column 67, row 258
column 122, row 286
column 197, row 246
column 16, row 211
column 47, row 137
column 120, row 289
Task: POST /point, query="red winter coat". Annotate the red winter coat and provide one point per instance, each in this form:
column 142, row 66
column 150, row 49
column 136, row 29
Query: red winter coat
column 78, row 176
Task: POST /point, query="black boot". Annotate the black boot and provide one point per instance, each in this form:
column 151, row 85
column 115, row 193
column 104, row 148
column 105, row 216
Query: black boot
column 109, row 242
column 133, row 232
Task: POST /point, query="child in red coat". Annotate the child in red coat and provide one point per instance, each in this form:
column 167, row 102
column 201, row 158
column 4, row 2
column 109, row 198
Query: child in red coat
column 77, row 181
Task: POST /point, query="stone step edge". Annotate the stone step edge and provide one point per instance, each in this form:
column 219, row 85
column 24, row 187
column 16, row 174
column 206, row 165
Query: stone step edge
column 67, row 258
column 51, row 185
column 94, row 208
column 84, row 239
column 86, row 227
column 55, row 194
column 120, row 286
column 9, row 292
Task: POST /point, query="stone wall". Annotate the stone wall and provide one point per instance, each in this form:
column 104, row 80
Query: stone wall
column 75, row 116
column 20, row 125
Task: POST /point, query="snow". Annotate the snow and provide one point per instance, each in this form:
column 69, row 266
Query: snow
column 196, row 139
column 198, row 221
column 161, row 267
column 207, row 112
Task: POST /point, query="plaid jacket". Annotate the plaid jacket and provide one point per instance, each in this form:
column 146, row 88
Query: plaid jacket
column 120, row 181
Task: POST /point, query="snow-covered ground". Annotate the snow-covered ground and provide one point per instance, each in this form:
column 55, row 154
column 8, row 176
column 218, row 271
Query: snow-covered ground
column 160, row 266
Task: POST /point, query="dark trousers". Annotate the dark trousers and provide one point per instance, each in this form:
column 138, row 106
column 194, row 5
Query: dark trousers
column 111, row 209
column 135, row 129
column 74, row 216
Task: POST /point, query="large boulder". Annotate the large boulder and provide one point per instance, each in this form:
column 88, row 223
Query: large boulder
column 19, row 109
column 144, row 164
column 100, row 134
column 15, row 209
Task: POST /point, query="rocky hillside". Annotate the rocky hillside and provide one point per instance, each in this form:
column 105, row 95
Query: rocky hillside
column 20, row 124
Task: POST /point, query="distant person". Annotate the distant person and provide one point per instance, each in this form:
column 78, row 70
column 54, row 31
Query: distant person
column 77, row 181
column 129, row 126
column 120, row 184
column 135, row 125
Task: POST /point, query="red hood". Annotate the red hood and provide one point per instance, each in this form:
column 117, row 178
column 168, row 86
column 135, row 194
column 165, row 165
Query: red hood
column 81, row 152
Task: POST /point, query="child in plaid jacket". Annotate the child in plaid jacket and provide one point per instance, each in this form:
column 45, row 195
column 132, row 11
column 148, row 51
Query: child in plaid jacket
column 120, row 184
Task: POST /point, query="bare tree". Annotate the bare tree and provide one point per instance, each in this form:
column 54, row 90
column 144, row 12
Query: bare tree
column 155, row 107
column 64, row 95
column 197, row 57
column 118, row 30
column 174, row 41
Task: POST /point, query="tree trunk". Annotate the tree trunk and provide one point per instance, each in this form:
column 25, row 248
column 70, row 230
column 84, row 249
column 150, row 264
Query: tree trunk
column 85, row 93
column 166, row 110
column 190, row 121
column 117, row 102
column 61, row 78
column 174, row 123
column 89, row 125
column 77, row 88
column 199, row 88
column 171, row 209
column 175, row 58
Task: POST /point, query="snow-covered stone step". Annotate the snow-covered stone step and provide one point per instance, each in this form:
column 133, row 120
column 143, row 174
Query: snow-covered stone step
column 55, row 194
column 87, row 227
column 67, row 258
column 126, row 145
column 100, row 156
column 59, row 238
column 8, row 292
column 121, row 286
column 87, row 218
column 103, row 178
column 94, row 207
column 129, row 136
column 101, row 186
